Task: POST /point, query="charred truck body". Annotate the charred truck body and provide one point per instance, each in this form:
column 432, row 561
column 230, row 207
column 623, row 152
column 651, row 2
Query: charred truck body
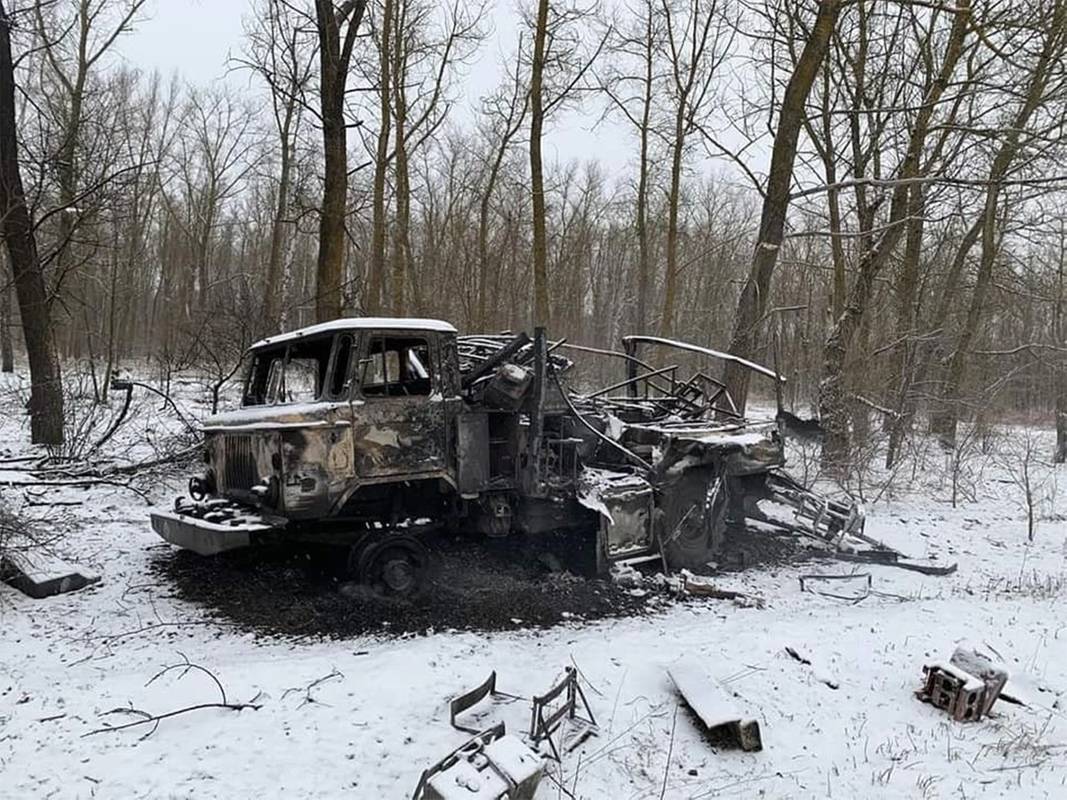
column 373, row 432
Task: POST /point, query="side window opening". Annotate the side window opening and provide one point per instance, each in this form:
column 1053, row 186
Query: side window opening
column 396, row 366
column 341, row 379
column 264, row 376
column 305, row 370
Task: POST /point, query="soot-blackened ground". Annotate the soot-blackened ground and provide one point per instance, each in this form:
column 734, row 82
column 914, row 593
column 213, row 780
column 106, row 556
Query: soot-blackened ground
column 475, row 585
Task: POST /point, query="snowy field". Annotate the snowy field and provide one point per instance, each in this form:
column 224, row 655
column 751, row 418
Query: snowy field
column 361, row 718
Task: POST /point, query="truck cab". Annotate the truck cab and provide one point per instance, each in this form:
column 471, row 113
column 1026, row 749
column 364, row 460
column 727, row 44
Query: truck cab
column 342, row 425
column 333, row 408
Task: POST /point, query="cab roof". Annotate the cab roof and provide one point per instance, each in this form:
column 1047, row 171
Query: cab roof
column 359, row 324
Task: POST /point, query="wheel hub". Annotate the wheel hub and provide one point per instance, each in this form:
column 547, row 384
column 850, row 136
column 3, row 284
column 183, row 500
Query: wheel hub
column 398, row 574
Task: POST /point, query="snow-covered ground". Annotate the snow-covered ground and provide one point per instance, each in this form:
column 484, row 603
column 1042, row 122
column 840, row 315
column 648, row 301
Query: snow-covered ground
column 362, row 718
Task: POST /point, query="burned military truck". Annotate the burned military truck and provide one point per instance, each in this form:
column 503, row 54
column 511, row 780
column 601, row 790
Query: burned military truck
column 375, row 433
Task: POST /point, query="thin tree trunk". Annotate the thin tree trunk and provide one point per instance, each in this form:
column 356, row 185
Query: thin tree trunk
column 402, row 224
column 46, row 390
column 381, row 164
column 7, row 351
column 644, row 268
column 666, row 324
column 276, row 260
column 1060, row 332
column 541, row 315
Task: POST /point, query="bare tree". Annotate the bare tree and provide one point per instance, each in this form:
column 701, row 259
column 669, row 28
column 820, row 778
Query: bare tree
column 337, row 26
column 752, row 304
column 697, row 39
column 1044, row 80
column 630, row 82
column 423, row 62
column 277, row 51
column 559, row 62
column 505, row 110
column 382, row 158
column 17, row 228
column 833, row 396
column 75, row 35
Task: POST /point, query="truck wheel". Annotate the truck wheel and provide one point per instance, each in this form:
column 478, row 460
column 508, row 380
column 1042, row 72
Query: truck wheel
column 695, row 543
column 393, row 567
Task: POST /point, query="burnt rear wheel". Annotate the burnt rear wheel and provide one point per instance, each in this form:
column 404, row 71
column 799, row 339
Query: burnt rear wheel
column 393, row 567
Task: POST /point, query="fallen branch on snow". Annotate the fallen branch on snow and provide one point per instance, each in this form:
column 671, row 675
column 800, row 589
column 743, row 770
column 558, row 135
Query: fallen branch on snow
column 186, row 666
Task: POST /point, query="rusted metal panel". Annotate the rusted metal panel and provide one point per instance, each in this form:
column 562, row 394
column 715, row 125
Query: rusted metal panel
column 472, row 453
column 399, row 435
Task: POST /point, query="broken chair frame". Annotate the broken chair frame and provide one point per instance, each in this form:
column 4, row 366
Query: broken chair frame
column 542, row 726
column 468, row 700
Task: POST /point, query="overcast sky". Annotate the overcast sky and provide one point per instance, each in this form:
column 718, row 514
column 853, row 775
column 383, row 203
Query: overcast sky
column 195, row 38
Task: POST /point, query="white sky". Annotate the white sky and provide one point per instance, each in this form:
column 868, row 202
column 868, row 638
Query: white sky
column 195, row 38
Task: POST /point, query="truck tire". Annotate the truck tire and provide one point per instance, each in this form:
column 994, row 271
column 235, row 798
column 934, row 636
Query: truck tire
column 695, row 543
column 393, row 567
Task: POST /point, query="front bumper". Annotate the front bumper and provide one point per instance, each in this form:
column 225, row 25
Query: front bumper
column 186, row 528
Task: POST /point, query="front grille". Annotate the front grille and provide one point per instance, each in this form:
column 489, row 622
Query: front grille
column 239, row 465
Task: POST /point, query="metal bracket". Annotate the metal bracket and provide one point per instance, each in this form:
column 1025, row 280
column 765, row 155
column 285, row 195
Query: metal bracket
column 543, row 725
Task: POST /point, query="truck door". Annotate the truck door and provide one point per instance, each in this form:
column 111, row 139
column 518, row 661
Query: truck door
column 399, row 421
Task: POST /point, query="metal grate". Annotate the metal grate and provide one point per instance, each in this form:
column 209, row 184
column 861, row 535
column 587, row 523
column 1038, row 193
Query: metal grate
column 239, row 470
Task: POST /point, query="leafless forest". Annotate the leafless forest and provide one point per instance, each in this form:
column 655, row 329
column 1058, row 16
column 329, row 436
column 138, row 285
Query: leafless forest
column 868, row 194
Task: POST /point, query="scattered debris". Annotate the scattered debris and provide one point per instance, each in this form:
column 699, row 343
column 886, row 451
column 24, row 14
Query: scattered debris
column 862, row 578
column 493, row 765
column 716, row 708
column 39, row 573
column 820, row 675
column 467, row 701
column 144, row 718
column 891, row 558
column 702, row 587
column 966, row 687
column 549, row 710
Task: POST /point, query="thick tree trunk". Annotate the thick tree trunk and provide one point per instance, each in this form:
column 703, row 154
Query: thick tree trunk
column 753, row 300
column 541, row 310
column 335, row 54
column 401, row 168
column 329, row 270
column 46, row 390
column 902, row 363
